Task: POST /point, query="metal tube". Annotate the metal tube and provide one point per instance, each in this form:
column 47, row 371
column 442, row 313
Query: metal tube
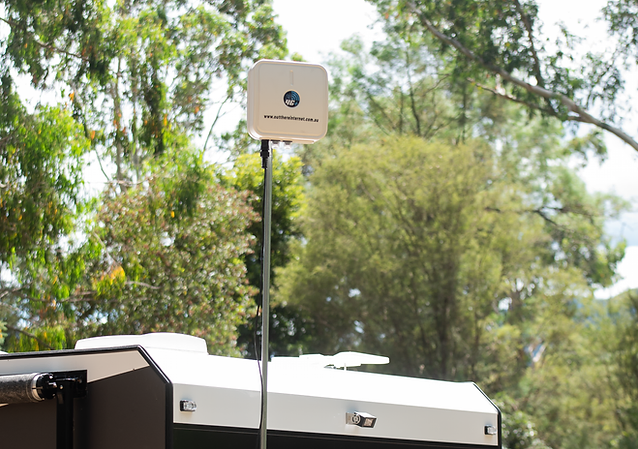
column 21, row 388
column 265, row 298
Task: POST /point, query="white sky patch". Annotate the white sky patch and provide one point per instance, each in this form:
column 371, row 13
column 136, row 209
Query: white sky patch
column 628, row 270
column 317, row 27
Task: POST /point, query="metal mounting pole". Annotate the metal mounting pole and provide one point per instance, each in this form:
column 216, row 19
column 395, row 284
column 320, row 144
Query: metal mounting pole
column 265, row 295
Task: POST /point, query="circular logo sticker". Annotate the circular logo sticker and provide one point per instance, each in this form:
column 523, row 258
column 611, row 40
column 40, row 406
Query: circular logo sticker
column 291, row 99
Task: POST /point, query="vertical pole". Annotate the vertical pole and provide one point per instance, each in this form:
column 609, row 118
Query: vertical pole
column 265, row 295
column 64, row 413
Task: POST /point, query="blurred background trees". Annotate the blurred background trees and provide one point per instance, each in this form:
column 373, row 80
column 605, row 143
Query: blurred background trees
column 441, row 221
column 133, row 79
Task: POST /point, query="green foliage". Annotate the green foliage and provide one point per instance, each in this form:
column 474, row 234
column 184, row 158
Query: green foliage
column 40, row 178
column 622, row 17
column 437, row 224
column 287, row 200
column 400, row 88
column 135, row 78
column 69, row 32
column 518, row 429
column 40, row 175
column 569, row 391
column 530, row 153
column 170, row 258
column 498, row 47
column 624, row 312
column 37, row 339
column 460, row 264
column 136, row 72
column 388, row 230
column 287, row 333
column 513, row 284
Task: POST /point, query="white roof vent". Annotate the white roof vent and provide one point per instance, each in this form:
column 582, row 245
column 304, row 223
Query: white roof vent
column 341, row 360
column 159, row 340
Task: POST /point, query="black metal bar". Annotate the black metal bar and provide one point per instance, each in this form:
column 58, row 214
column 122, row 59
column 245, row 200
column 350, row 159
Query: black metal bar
column 69, row 387
column 266, row 155
column 64, row 414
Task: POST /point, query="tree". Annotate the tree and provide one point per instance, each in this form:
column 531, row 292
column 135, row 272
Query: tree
column 458, row 266
column 364, row 274
column 623, row 313
column 623, row 23
column 40, row 175
column 369, row 96
column 501, row 41
column 246, row 175
column 40, row 179
column 518, row 429
column 287, row 331
column 168, row 256
column 537, row 342
column 568, row 390
column 405, row 238
column 136, row 71
column 136, row 76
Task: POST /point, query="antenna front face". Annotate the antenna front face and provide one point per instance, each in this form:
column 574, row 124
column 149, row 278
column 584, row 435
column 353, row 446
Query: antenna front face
column 287, row 101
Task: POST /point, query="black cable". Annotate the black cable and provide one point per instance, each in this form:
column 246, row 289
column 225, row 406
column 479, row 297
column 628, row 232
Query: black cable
column 264, row 153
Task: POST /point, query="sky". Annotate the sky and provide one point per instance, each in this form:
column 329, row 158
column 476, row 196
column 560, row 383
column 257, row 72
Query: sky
column 316, row 28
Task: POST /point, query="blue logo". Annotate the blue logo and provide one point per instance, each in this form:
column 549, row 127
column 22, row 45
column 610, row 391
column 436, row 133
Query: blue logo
column 291, row 99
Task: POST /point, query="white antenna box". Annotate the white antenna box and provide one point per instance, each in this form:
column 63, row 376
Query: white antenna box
column 287, row 101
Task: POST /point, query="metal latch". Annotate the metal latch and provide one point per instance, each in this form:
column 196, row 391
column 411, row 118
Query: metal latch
column 187, row 406
column 361, row 419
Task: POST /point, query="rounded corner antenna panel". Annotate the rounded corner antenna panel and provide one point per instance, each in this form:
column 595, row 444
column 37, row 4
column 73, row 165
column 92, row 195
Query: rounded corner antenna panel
column 287, row 101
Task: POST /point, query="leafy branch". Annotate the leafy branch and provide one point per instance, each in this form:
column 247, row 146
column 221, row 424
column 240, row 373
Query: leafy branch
column 49, row 47
column 30, row 335
column 577, row 113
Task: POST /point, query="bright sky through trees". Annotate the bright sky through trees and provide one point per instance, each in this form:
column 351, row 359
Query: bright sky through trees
column 316, row 27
